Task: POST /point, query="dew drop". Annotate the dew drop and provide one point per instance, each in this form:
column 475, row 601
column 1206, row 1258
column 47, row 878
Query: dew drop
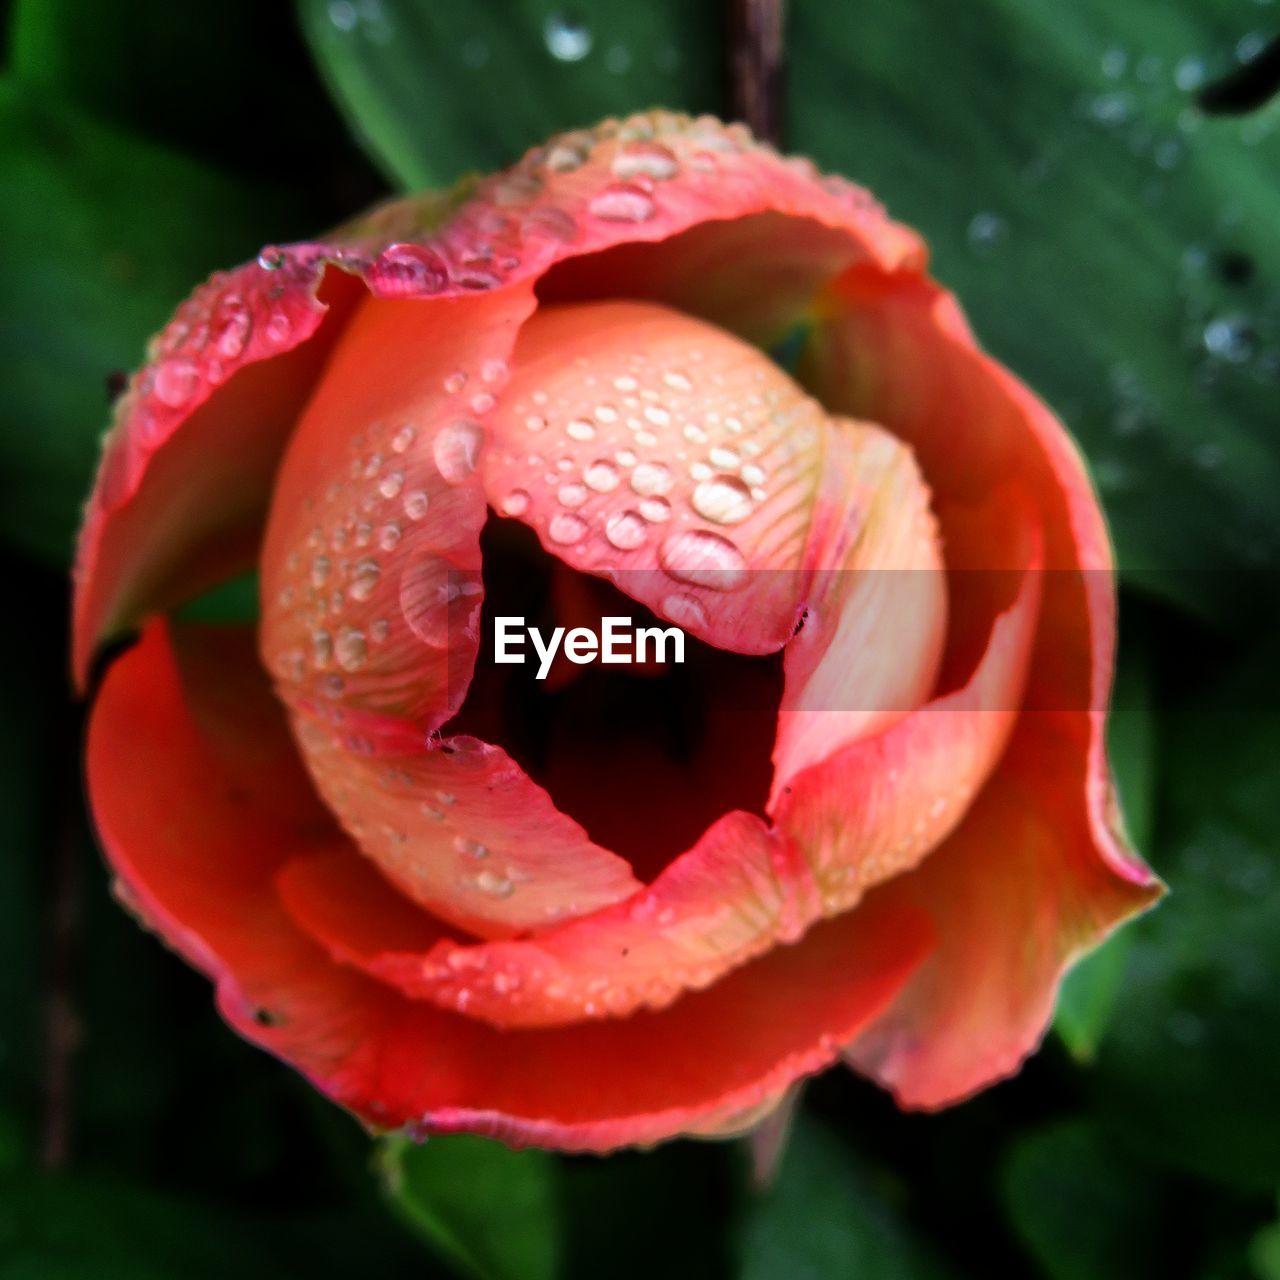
column 722, row 457
column 416, row 503
column 566, row 38
column 391, row 484
column 405, row 269
column 403, row 438
column 455, row 382
column 625, row 383
column 626, row 530
column 350, row 648
column 495, row 885
column 175, row 381
column 601, row 476
column 703, row 559
column 365, row 579
column 516, row 503
column 229, row 328
column 685, row 611
column 622, row 202
column 566, row 528
column 724, row 499
column 657, row 415
column 439, row 601
column 651, row 479
column 753, row 474
column 469, row 847
column 456, row 450
column 320, row 571
column 655, row 510
column 677, row 381
column 580, row 429
column 389, row 535
column 572, row 495
column 625, row 458
column 645, row 160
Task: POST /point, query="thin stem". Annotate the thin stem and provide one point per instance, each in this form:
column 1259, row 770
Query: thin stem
column 756, row 57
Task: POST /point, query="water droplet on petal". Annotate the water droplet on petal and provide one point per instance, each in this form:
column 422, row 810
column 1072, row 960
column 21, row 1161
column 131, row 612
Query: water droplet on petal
column 651, row 479
column 471, row 848
column 685, row 611
column 566, row 528
column 416, row 504
column 350, row 648
column 677, row 381
column 230, row 325
column 572, row 495
column 601, row 476
column 703, row 559
column 645, row 160
column 404, row 437
column 391, row 483
column 626, row 530
column 175, row 381
column 496, row 886
column 580, row 429
column 724, row 499
column 456, row 450
column 402, row 270
column 655, row 510
column 365, row 579
column 622, row 202
column 439, row 601
column 516, row 503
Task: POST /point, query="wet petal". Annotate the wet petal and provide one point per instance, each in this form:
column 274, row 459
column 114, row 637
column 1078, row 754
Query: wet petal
column 874, row 623
column 189, row 860
column 665, row 455
column 1034, row 875
column 187, row 467
column 463, row 831
column 182, row 488
column 371, row 586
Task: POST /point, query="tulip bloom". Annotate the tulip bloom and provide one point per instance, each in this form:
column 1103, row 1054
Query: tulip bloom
column 883, row 823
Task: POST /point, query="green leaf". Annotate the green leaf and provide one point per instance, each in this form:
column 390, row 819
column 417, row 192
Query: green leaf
column 826, row 1215
column 1089, row 992
column 1080, row 1209
column 1113, row 245
column 435, row 90
column 101, row 236
column 239, row 92
column 1188, row 1069
column 492, row 1211
column 1264, row 1252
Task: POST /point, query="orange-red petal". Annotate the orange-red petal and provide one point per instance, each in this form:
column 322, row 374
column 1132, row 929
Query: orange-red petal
column 198, row 857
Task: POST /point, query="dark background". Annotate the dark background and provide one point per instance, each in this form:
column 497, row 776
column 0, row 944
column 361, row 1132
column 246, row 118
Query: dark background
column 1100, row 181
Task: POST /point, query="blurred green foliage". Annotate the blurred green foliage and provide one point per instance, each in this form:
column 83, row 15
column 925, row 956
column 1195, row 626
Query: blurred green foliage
column 1113, row 243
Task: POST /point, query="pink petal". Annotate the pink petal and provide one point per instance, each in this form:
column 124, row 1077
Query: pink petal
column 197, row 855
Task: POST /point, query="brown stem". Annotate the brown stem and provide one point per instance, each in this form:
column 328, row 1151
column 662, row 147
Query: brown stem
column 756, row 50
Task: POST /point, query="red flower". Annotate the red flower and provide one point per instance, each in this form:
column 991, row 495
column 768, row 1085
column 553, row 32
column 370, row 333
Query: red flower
column 333, row 816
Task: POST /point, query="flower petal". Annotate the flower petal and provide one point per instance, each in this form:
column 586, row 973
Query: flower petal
column 462, row 830
column 371, row 587
column 195, row 442
column 737, row 893
column 875, row 606
column 186, row 470
column 899, row 350
column 1039, row 863
column 1018, row 892
column 199, row 856
column 664, row 454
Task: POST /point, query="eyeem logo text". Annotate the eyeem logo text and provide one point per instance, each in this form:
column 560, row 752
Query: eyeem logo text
column 618, row 643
